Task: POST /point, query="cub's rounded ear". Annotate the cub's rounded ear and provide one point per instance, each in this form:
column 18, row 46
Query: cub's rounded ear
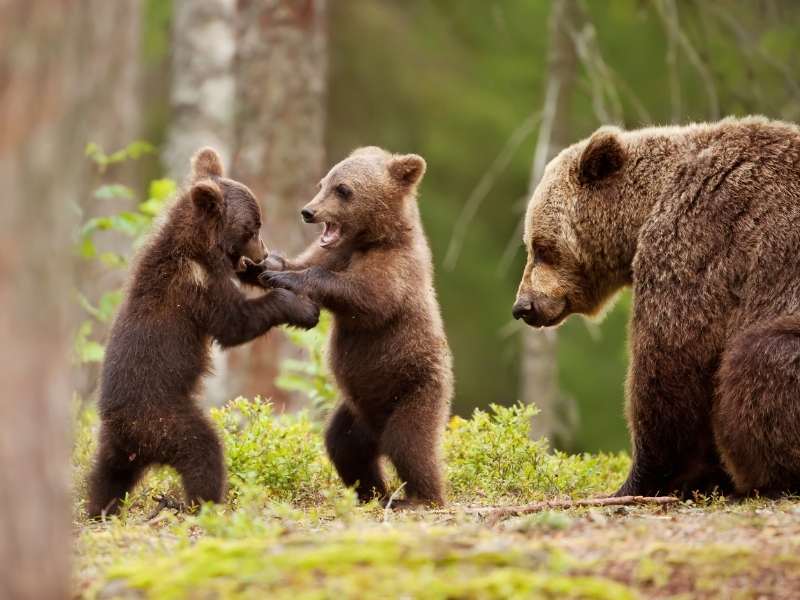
column 207, row 197
column 206, row 163
column 408, row 169
column 603, row 156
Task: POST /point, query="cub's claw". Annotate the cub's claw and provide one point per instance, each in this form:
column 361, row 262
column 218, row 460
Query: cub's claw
column 248, row 271
column 244, row 264
column 274, row 262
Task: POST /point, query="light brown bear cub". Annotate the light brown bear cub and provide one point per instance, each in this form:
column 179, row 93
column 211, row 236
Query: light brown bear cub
column 703, row 222
column 372, row 269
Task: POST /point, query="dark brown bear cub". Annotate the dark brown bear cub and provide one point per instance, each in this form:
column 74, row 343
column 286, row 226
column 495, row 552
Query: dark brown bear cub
column 372, row 268
column 180, row 298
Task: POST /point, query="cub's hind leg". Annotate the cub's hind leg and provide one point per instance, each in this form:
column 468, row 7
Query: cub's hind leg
column 116, row 471
column 412, row 440
column 353, row 450
column 757, row 410
column 195, row 451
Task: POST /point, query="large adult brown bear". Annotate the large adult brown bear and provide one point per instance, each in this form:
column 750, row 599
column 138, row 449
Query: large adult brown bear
column 703, row 222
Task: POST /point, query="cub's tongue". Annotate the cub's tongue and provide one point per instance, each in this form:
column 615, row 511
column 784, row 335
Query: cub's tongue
column 330, row 234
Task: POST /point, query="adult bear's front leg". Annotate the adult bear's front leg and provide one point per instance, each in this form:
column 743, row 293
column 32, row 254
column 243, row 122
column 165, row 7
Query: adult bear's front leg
column 669, row 408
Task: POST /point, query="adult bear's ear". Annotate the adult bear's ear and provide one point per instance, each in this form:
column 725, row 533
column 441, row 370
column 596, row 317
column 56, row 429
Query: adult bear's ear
column 206, row 163
column 207, row 198
column 407, row 169
column 602, row 157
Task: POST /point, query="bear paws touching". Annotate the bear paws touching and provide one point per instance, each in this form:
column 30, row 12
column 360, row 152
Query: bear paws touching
column 304, row 313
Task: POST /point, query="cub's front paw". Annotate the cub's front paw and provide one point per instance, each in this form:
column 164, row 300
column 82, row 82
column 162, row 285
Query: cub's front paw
column 306, row 313
column 288, row 280
column 274, row 262
column 298, row 311
column 248, row 271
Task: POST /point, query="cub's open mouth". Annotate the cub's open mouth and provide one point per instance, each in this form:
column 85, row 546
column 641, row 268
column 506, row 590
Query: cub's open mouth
column 330, row 235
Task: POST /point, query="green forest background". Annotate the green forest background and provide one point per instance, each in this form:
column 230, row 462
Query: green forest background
column 453, row 81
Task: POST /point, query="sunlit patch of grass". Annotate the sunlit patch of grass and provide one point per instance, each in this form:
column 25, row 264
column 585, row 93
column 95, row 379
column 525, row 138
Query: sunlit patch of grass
column 365, row 561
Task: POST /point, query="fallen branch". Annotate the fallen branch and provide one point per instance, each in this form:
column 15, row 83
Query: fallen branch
column 165, row 502
column 497, row 513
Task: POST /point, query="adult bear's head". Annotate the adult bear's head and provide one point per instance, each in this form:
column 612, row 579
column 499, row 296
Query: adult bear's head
column 578, row 253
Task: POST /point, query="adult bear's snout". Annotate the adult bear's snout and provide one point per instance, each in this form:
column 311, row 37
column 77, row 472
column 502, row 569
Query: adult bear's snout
column 539, row 310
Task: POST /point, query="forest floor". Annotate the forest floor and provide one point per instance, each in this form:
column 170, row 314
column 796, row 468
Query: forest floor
column 288, row 528
column 718, row 550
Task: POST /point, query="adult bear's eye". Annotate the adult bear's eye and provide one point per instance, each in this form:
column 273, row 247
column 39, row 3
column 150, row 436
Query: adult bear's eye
column 343, row 191
column 535, row 258
column 544, row 254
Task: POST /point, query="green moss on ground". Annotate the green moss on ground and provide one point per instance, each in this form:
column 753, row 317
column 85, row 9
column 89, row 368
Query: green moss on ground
column 289, row 530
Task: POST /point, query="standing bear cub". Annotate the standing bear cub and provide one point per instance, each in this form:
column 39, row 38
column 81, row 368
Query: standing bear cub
column 180, row 298
column 372, row 269
column 703, row 222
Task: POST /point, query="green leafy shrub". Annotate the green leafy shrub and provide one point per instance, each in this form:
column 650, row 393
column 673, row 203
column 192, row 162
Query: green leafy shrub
column 491, row 457
column 491, row 454
column 283, row 455
column 134, row 224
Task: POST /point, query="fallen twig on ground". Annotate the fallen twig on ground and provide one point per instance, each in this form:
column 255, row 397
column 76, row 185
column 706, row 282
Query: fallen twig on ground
column 497, row 513
column 168, row 503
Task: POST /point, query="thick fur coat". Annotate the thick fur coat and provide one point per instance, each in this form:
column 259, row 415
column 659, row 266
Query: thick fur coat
column 372, row 268
column 181, row 297
column 703, row 222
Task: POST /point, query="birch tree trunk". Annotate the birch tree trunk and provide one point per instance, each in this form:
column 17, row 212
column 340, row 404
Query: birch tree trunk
column 539, row 376
column 203, row 82
column 280, row 117
column 67, row 76
column 202, row 94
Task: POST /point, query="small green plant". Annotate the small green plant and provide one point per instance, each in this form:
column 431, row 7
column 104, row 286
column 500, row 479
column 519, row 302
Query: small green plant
column 134, row 224
column 271, row 458
column 282, row 455
column 491, row 456
column 310, row 376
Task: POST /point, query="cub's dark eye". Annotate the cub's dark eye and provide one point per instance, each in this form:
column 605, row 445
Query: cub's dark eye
column 343, row 191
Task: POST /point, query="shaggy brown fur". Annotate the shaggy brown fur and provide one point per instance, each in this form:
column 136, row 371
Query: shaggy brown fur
column 181, row 297
column 372, row 268
column 704, row 222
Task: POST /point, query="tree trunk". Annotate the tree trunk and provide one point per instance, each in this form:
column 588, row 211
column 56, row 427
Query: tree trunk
column 203, row 82
column 539, row 376
column 281, row 65
column 65, row 77
column 202, row 95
